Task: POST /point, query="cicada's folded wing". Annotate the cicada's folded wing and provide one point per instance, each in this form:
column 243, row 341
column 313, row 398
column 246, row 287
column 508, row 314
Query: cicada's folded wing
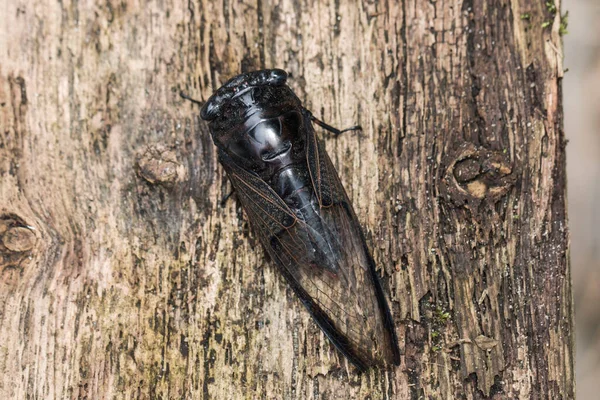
column 345, row 300
column 337, row 210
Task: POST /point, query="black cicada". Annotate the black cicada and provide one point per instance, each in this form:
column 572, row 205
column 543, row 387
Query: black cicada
column 299, row 210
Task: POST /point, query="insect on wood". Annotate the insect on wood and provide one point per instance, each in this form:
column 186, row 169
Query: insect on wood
column 299, row 210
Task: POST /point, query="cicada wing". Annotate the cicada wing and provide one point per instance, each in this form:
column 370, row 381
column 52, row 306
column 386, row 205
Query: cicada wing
column 344, row 300
column 322, row 172
column 331, row 192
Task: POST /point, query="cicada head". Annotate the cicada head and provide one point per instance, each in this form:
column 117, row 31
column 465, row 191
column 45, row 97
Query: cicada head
column 256, row 119
column 236, row 86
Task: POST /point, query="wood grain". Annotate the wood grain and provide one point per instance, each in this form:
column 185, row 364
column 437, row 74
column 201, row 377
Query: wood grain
column 123, row 277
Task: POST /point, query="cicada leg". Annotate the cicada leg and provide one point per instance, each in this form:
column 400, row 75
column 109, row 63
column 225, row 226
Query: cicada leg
column 330, row 128
column 185, row 96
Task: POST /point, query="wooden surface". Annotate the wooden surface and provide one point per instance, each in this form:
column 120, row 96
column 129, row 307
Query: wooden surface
column 581, row 88
column 123, row 277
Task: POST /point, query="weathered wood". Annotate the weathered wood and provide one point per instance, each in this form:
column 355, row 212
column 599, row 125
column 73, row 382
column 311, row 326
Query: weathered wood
column 123, row 277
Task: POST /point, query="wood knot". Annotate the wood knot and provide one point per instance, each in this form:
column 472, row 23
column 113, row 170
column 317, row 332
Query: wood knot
column 159, row 165
column 17, row 241
column 476, row 174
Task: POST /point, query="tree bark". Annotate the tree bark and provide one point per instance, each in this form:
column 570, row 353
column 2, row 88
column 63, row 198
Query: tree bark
column 122, row 276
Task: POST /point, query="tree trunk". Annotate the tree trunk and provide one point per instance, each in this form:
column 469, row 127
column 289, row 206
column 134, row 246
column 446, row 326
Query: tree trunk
column 122, row 276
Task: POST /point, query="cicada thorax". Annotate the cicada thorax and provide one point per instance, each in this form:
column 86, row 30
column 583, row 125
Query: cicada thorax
column 261, row 128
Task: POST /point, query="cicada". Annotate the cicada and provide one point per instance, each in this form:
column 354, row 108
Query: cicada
column 299, row 210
